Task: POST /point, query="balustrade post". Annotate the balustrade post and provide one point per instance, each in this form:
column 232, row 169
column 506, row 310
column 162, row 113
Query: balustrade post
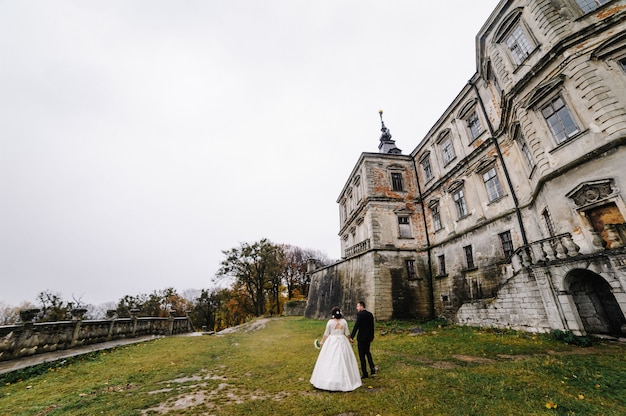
column 572, row 248
column 559, row 248
column 549, row 250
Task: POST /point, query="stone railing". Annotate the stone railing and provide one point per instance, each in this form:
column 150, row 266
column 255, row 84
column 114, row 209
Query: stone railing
column 358, row 248
column 561, row 246
column 28, row 338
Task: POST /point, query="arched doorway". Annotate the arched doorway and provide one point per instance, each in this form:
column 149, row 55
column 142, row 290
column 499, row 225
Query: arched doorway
column 598, row 310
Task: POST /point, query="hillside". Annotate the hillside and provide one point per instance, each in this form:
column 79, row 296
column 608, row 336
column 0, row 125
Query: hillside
column 263, row 368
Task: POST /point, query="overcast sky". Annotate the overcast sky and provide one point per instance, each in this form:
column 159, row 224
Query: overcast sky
column 140, row 138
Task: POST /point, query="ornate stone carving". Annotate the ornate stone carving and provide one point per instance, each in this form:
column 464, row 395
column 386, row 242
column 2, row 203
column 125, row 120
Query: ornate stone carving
column 591, row 192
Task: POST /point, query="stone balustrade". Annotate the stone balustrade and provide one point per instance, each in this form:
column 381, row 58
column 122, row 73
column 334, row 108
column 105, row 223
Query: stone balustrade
column 560, row 247
column 358, row 248
column 28, row 338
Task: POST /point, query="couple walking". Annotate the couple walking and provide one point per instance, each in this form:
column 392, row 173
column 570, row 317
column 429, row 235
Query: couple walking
column 336, row 367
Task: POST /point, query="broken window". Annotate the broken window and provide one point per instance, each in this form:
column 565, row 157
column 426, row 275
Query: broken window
column 469, row 256
column 404, row 227
column 507, row 244
column 410, row 269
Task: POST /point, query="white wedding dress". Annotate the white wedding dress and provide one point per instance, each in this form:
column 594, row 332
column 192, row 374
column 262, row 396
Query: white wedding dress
column 336, row 368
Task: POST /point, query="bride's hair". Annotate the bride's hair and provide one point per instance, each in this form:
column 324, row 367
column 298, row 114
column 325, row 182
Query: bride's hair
column 336, row 313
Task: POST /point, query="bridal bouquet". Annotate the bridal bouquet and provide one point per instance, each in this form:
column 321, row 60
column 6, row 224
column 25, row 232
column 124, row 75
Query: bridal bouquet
column 317, row 344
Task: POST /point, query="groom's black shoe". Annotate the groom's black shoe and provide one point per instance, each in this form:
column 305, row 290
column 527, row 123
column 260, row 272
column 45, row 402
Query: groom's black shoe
column 365, row 376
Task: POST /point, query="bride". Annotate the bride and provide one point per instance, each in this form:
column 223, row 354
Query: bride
column 336, row 368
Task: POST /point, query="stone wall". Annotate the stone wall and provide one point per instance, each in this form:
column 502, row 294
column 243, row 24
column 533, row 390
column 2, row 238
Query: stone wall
column 377, row 277
column 294, row 307
column 17, row 341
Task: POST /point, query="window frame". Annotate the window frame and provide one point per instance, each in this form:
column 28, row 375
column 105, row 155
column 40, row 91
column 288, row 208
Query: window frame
column 411, row 271
column 404, row 228
column 504, row 36
column 547, row 220
column 427, row 168
column 397, row 182
column 458, row 196
column 447, row 150
column 519, row 138
column 469, row 257
column 474, row 125
column 541, row 109
column 441, row 261
column 506, row 242
column 492, row 183
column 586, row 7
column 435, row 213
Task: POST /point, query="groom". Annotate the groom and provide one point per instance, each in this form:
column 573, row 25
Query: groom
column 364, row 325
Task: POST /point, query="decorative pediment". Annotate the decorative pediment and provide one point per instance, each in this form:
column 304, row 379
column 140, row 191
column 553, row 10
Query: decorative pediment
column 455, row 186
column 467, row 107
column 543, row 90
column 615, row 45
column 442, row 135
column 507, row 24
column 402, row 211
column 590, row 193
column 395, row 167
column 432, row 203
column 484, row 164
column 424, row 156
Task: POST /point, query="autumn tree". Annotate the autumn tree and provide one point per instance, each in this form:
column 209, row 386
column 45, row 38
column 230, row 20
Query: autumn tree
column 209, row 307
column 295, row 273
column 254, row 268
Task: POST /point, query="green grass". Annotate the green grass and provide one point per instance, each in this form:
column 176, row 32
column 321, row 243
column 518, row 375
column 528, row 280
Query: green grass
column 448, row 370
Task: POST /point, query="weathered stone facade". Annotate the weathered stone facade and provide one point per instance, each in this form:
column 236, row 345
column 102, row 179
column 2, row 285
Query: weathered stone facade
column 510, row 212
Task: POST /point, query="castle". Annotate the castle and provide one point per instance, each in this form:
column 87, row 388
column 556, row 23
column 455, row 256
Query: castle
column 510, row 211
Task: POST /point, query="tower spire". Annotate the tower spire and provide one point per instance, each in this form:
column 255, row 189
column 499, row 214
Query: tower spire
column 387, row 144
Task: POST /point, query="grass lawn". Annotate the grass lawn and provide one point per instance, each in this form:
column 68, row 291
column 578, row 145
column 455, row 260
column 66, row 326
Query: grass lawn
column 264, row 369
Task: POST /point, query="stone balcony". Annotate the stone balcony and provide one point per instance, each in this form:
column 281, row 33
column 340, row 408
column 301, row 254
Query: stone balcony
column 562, row 246
column 358, row 248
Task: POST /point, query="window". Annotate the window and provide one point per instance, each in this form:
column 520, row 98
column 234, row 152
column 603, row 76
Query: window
column 404, row 227
column 357, row 190
column 396, row 181
column 559, row 120
column 494, row 190
column 469, row 257
column 590, row 5
column 447, row 151
column 507, row 243
column 410, row 269
column 473, row 123
column 427, row 169
column 548, row 220
column 459, row 201
column 442, row 265
column 526, row 151
column 622, row 64
column 519, row 44
column 434, row 210
column 343, row 211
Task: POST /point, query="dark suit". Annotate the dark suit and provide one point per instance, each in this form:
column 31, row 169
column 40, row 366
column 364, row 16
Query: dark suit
column 364, row 326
